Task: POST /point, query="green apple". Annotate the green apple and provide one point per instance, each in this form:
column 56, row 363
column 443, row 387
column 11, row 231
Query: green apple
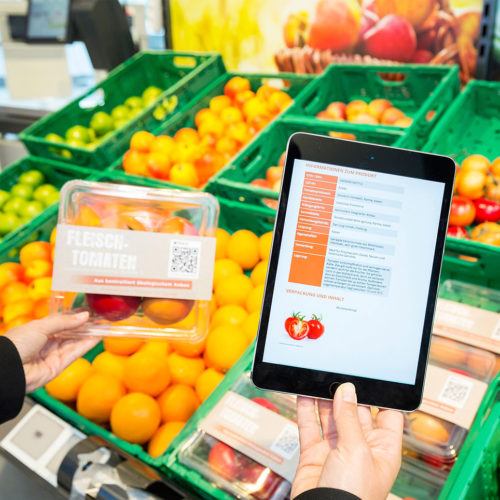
column 134, row 102
column 78, row 133
column 8, row 222
column 51, row 198
column 42, row 192
column 75, row 143
column 32, row 178
column 31, row 209
column 101, row 123
column 120, row 112
column 4, row 196
column 14, row 205
column 150, row 95
column 22, row 190
column 54, row 137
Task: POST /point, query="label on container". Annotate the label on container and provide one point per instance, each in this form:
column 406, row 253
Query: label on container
column 452, row 396
column 255, row 431
column 468, row 324
column 135, row 263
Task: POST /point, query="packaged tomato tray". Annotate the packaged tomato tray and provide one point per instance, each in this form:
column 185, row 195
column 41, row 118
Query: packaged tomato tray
column 139, row 259
column 456, row 381
column 247, row 445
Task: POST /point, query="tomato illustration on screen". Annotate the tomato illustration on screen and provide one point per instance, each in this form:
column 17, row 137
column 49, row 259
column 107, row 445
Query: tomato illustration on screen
column 296, row 327
column 316, row 328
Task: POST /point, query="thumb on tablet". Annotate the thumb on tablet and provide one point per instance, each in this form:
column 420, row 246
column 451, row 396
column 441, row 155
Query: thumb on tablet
column 346, row 417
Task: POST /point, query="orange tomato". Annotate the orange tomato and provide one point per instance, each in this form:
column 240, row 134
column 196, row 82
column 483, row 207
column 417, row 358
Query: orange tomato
column 41, row 309
column 236, row 85
column 163, row 437
column 278, row 102
column 9, row 272
column 184, row 369
column 223, row 268
column 476, row 162
column 186, row 152
column 39, row 268
column 207, row 382
column 495, row 167
column 189, row 349
column 226, row 145
column 66, row 385
column 134, row 163
column 158, row 165
column 211, row 126
column 243, row 248
column 178, row 403
column 240, row 132
column 40, row 288
column 222, row 238
column 184, row 174
column 97, row 396
column 202, row 115
column 264, row 92
column 156, row 347
column 142, row 141
column 207, row 165
column 13, row 310
column 122, row 346
column 231, row 115
column 218, row 103
column 189, row 135
column 254, row 107
column 233, row 290
column 163, row 144
column 14, row 291
column 146, row 373
column 36, row 250
column 225, row 345
column 87, row 217
column 135, row 418
column 242, row 97
column 471, row 183
column 259, row 122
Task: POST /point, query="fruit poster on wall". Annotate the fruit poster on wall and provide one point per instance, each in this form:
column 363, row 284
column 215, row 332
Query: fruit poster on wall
column 305, row 36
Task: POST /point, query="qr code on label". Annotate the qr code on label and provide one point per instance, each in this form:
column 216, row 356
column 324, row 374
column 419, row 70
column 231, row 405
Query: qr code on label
column 455, row 391
column 287, row 442
column 184, row 261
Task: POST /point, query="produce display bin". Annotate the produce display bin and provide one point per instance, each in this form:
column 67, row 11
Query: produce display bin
column 55, row 173
column 180, row 74
column 291, row 83
column 233, row 216
column 476, row 473
column 233, row 182
column 470, row 126
column 417, row 91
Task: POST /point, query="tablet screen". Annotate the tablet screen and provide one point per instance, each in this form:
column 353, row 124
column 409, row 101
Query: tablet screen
column 356, row 254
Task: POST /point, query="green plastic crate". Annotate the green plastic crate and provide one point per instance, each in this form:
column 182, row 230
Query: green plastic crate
column 423, row 89
column 56, row 173
column 233, row 182
column 233, row 216
column 179, row 472
column 180, row 74
column 291, row 83
column 476, row 474
column 471, row 125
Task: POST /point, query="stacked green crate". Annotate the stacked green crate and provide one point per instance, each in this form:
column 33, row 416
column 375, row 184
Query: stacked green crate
column 470, row 126
column 181, row 76
column 55, row 173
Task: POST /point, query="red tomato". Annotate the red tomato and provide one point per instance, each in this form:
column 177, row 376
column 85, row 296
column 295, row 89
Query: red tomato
column 224, row 461
column 487, row 210
column 266, row 404
column 457, row 232
column 316, row 328
column 297, row 328
column 289, row 320
column 257, row 474
column 462, row 211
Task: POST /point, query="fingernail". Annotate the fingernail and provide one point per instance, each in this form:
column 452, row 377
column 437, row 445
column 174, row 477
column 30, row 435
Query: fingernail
column 349, row 393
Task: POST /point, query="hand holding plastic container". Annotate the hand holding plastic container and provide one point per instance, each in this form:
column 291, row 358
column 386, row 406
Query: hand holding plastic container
column 139, row 259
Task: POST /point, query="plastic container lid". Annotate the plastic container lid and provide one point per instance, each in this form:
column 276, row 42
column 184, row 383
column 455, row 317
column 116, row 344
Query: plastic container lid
column 432, row 439
column 227, row 468
column 140, row 259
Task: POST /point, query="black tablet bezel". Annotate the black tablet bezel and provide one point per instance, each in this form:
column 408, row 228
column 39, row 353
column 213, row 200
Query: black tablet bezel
column 383, row 159
column 47, row 40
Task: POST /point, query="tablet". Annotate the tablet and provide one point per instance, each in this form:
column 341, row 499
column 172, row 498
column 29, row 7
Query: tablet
column 354, row 271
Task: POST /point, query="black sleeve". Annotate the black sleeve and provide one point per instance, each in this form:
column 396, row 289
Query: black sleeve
column 326, row 494
column 12, row 381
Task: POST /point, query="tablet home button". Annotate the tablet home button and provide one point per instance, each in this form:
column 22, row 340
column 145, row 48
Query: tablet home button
column 333, row 388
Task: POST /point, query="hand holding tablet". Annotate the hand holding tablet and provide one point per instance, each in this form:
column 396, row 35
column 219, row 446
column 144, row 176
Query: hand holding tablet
column 354, row 271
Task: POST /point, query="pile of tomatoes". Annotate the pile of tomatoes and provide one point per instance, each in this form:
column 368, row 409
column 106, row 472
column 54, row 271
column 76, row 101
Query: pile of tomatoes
column 476, row 201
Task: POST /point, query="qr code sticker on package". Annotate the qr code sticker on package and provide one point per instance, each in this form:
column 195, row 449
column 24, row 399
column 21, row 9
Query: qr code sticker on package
column 455, row 391
column 287, row 442
column 184, row 260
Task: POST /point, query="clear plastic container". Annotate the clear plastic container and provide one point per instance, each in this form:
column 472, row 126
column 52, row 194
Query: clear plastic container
column 227, row 468
column 118, row 221
column 418, row 481
column 473, row 295
column 433, row 439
